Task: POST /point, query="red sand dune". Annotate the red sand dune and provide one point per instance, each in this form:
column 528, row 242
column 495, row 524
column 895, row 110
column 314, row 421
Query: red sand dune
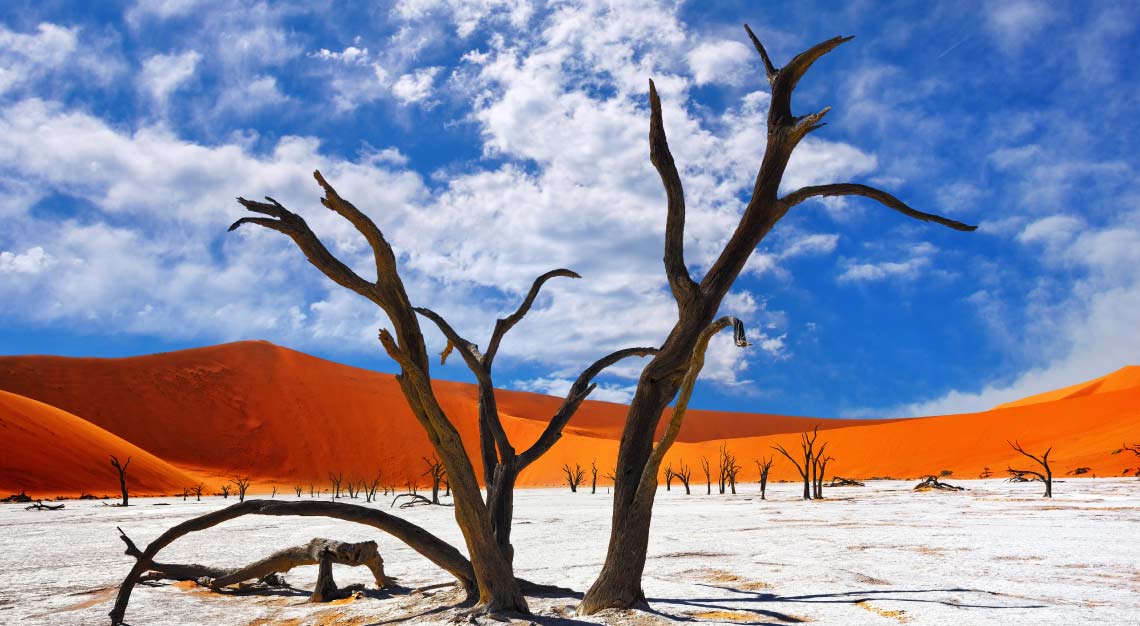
column 285, row 418
column 49, row 451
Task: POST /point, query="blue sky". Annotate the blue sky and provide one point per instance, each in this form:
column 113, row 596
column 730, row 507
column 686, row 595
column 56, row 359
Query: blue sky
column 495, row 140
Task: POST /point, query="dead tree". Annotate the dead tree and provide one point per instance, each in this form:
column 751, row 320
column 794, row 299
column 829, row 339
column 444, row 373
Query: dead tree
column 185, row 494
column 242, row 484
column 728, row 470
column 273, row 494
column 370, row 491
column 840, row 481
column 434, row 549
column 684, row 473
column 198, row 491
column 807, row 444
column 819, row 468
column 225, row 491
column 986, row 473
column 619, row 584
column 315, row 552
column 708, row 474
column 40, row 506
column 122, row 470
column 764, row 465
column 931, row 483
column 594, row 476
column 297, row 489
column 352, row 489
column 669, row 475
column 574, row 476
column 336, row 479
column 1043, row 461
column 485, row 524
column 436, row 472
column 312, row 490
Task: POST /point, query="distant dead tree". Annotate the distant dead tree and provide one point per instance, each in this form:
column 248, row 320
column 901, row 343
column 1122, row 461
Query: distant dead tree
column 336, row 479
column 370, row 491
column 352, row 488
column 1134, row 449
column 807, row 443
column 273, row 494
column 198, row 491
column 594, row 476
column 225, row 490
column 669, row 475
column 840, row 481
column 122, row 470
column 297, row 489
column 986, row 473
column 574, row 475
column 764, row 465
column 242, row 484
column 818, row 469
column 1043, row 461
column 185, row 493
column 436, row 472
column 728, row 469
column 1080, row 471
column 684, row 473
column 708, row 474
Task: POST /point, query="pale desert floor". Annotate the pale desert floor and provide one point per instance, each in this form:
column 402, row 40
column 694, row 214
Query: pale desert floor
column 882, row 554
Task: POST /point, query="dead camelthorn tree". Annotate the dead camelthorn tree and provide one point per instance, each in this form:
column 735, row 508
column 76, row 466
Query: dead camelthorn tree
column 1043, row 461
column 819, row 463
column 198, row 491
column 764, row 465
column 708, row 474
column 669, row 476
column 336, row 478
column 225, row 490
column 729, row 470
column 436, row 472
column 370, row 490
column 684, row 473
column 297, row 489
column 619, row 584
column 185, row 493
column 122, row 470
column 242, row 484
column 594, row 476
column 807, row 444
column 574, row 476
column 273, row 494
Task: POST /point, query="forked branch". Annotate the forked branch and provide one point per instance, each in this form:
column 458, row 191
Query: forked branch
column 680, row 282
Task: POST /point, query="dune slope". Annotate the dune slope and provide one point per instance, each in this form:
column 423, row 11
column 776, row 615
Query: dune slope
column 47, row 451
column 287, row 418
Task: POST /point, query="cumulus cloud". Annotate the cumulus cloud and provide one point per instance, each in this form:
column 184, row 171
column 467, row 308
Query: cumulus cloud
column 723, row 61
column 416, row 86
column 163, row 73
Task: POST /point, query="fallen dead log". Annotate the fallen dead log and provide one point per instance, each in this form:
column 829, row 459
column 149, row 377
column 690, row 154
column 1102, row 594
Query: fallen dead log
column 315, row 552
column 931, row 483
column 436, row 550
column 40, row 506
column 839, row 481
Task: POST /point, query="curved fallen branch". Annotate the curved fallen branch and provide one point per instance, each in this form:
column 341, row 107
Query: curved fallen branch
column 416, row 500
column 363, row 554
column 420, row 540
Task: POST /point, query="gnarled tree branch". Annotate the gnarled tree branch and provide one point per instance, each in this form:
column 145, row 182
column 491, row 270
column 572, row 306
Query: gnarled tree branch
column 886, row 199
column 507, row 323
column 680, row 282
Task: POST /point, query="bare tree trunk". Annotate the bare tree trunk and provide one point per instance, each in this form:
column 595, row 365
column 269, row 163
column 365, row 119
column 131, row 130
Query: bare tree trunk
column 1043, row 461
column 122, row 470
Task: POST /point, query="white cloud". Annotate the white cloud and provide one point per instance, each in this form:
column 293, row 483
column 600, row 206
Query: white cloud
column 416, row 86
column 1014, row 22
column 920, row 258
column 33, row 261
column 163, row 73
column 725, row 61
column 560, row 386
column 26, row 56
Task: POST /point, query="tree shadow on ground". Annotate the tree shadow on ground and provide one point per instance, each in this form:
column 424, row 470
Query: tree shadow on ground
column 846, row 597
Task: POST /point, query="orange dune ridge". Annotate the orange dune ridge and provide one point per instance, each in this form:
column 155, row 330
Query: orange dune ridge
column 47, row 451
column 285, row 418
